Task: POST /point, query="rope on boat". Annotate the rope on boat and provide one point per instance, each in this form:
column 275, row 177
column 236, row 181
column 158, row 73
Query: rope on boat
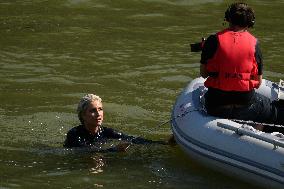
column 179, row 116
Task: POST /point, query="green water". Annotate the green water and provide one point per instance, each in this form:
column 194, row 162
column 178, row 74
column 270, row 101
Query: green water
column 135, row 55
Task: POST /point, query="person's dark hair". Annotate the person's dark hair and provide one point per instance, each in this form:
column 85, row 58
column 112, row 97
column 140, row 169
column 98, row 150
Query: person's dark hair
column 240, row 14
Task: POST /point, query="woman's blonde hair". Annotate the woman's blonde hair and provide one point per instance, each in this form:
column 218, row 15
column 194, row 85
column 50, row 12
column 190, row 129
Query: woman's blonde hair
column 84, row 103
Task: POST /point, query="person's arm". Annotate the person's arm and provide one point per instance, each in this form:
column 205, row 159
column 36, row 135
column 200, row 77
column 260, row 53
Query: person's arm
column 259, row 60
column 111, row 133
column 72, row 140
column 259, row 79
column 208, row 51
column 203, row 71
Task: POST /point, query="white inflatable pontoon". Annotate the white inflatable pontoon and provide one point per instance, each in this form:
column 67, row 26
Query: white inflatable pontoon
column 225, row 145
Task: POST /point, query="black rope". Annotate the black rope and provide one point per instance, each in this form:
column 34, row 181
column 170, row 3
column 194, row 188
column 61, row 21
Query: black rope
column 178, row 116
column 256, row 123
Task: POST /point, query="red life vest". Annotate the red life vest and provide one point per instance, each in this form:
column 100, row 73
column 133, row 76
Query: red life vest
column 234, row 62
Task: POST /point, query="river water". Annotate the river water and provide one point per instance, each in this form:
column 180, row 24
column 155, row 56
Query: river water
column 135, row 55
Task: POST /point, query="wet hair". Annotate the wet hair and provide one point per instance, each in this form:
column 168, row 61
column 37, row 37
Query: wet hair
column 84, row 103
column 240, row 14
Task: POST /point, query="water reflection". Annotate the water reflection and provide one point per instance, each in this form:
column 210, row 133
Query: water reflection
column 147, row 166
column 99, row 162
column 274, row 75
column 184, row 2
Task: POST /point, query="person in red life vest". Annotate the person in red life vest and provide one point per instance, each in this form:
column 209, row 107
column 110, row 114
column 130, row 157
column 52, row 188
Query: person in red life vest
column 231, row 62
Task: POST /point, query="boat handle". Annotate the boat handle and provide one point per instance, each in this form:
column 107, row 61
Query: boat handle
column 244, row 131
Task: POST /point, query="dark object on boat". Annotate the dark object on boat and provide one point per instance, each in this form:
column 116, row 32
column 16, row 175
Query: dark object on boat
column 197, row 47
column 268, row 128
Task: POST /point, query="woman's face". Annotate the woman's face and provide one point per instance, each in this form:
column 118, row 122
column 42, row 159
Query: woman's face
column 94, row 114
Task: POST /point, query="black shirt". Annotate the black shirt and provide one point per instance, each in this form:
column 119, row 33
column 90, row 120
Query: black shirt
column 80, row 137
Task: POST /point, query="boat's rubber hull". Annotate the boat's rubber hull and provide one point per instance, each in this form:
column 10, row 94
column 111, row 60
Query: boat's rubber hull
column 243, row 157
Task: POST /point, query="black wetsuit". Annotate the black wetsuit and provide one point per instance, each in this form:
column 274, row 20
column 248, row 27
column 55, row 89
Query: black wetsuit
column 80, row 137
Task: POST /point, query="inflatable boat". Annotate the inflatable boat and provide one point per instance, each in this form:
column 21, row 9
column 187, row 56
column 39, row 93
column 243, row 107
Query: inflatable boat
column 233, row 147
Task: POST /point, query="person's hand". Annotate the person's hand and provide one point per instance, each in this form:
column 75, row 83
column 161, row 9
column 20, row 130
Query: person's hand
column 172, row 141
column 122, row 147
column 258, row 127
